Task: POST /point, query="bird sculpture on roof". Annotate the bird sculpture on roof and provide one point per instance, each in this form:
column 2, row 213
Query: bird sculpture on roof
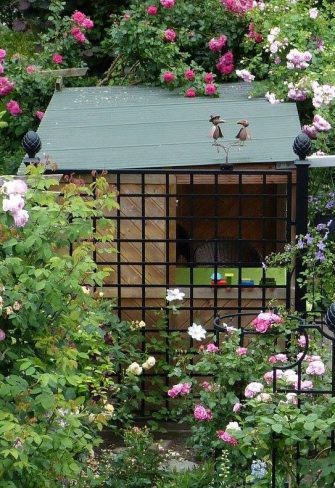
column 215, row 131
column 244, row 132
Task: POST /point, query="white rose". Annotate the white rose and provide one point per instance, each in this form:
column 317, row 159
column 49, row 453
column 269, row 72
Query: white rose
column 264, row 397
column 109, row 407
column 149, row 363
column 134, row 368
column 233, row 427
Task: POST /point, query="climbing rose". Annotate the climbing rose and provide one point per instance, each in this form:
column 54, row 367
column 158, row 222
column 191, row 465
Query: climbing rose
column 170, row 35
column 57, row 58
column 190, row 93
column 21, row 218
column 241, row 351
column 268, row 377
column 152, row 10
column 302, row 341
column 245, row 75
column 313, row 13
column 225, row 65
column 78, row 17
column 253, row 389
column 168, row 76
column 2, row 335
column 281, row 358
column 149, row 363
column 134, row 368
column 168, row 3
column 78, row 35
column 316, row 367
column 311, row 131
column 14, row 108
column 212, row 348
column 3, row 54
column 210, row 89
column 2, row 69
column 209, row 77
column 217, row 43
column 225, row 437
column 88, row 24
column 237, row 407
column 181, row 389
column 6, row 86
column 202, row 413
column 207, row 386
column 238, row 6
column 265, row 320
column 304, row 385
column 39, row 114
column 189, row 74
column 321, row 124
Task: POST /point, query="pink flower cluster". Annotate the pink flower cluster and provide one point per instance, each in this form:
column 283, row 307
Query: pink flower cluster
column 271, row 97
column 252, row 389
column 245, row 75
column 253, row 35
column 2, row 335
column 3, row 54
column 217, row 43
column 241, row 351
column 268, row 377
column 6, row 86
column 181, row 389
column 168, row 3
column 322, row 94
column 31, row 69
column 278, row 358
column 296, row 93
column 304, row 385
column 170, row 35
column 225, row 437
column 39, row 114
column 225, row 65
column 14, row 108
column 14, row 202
column 240, row 7
column 201, row 413
column 264, row 321
column 207, row 386
column 212, row 348
column 152, row 10
column 321, row 124
column 298, row 59
column 82, row 23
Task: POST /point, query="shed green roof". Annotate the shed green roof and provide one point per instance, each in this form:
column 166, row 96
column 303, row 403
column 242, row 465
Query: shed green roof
column 122, row 127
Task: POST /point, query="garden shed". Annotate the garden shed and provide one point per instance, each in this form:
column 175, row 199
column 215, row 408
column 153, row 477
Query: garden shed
column 184, row 220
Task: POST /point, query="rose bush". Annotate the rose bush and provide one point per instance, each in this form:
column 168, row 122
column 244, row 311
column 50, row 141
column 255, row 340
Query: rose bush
column 64, row 355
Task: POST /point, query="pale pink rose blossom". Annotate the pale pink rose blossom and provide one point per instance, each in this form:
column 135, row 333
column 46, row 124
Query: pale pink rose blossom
column 181, row 389
column 39, row 114
column 225, row 437
column 239, row 7
column 6, row 86
column 316, row 367
column 313, row 13
column 201, row 413
column 268, row 377
column 253, row 389
column 302, row 341
column 264, row 321
column 15, row 187
column 13, row 204
column 292, row 398
column 245, row 75
column 207, row 386
column 21, row 218
column 2, row 335
column 321, row 124
column 305, row 385
column 3, row 54
column 31, row 69
column 217, row 43
column 212, row 348
column 237, row 407
column 242, row 351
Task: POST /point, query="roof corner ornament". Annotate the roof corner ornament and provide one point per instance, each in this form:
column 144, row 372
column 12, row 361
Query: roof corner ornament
column 302, row 146
column 216, row 133
column 31, row 143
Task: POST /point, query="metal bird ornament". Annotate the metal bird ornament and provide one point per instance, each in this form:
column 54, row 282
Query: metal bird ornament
column 243, row 133
column 215, row 131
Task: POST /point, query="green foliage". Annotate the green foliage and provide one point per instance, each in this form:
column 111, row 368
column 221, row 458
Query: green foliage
column 64, row 355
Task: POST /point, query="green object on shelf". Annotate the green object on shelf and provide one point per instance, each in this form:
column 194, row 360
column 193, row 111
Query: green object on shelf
column 229, row 278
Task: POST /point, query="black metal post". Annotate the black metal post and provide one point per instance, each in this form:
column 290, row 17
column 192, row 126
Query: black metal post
column 301, row 227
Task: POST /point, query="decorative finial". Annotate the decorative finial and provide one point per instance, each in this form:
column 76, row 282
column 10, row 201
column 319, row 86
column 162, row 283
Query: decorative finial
column 31, row 143
column 302, row 146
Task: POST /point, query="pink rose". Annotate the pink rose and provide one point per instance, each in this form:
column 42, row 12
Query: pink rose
column 189, row 74
column 239, row 7
column 2, row 335
column 152, row 10
column 305, row 385
column 78, row 17
column 13, row 204
column 190, row 93
column 3, row 54
column 207, row 386
column 216, row 44
column 302, row 341
column 31, row 69
column 212, row 348
column 126, row 16
column 241, row 351
column 168, row 3
column 316, row 367
column 201, row 413
column 170, row 35
column 6, row 86
column 225, row 65
column 210, row 89
column 39, row 114
column 87, row 24
column 225, row 437
column 253, row 389
column 209, row 77
column 78, row 35
column 15, row 187
column 268, row 377
column 181, row 389
column 14, row 108
column 2, row 68
column 168, row 76
column 57, row 58
column 21, row 218
column 237, row 407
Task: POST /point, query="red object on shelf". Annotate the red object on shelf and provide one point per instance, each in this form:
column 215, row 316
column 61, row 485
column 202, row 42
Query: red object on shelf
column 219, row 282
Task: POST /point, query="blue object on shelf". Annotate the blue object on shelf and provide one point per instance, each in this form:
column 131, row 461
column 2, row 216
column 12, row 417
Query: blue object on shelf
column 216, row 276
column 247, row 283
